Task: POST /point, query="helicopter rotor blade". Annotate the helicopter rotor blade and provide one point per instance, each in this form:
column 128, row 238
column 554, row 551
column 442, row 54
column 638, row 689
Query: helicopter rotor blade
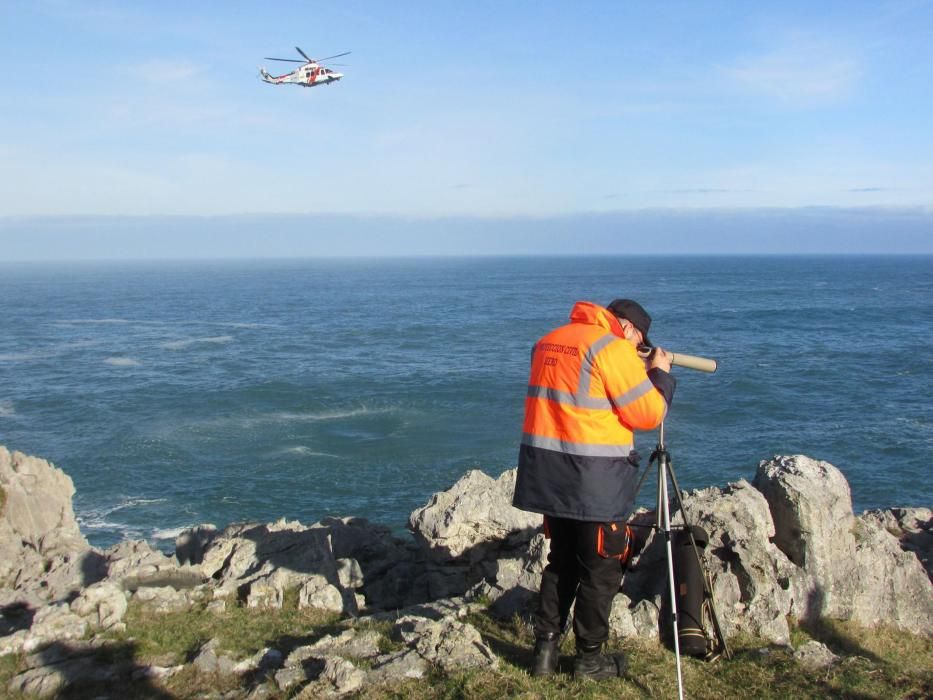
column 290, row 60
column 310, row 60
column 345, row 53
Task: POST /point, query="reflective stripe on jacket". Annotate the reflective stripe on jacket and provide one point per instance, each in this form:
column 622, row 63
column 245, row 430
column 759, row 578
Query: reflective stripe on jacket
column 588, row 391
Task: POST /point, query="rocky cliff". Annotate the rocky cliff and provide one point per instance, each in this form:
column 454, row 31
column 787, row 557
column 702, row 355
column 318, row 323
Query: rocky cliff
column 785, row 545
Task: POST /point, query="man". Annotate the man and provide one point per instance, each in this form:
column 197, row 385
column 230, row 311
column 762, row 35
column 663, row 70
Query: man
column 588, row 391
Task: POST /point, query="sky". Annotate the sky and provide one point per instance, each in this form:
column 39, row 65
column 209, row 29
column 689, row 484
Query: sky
column 141, row 129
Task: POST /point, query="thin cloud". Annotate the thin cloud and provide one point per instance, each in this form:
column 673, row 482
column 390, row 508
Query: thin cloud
column 803, row 70
column 703, row 190
column 870, row 189
column 165, row 71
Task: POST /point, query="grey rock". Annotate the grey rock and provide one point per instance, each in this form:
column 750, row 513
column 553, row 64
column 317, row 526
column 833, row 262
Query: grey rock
column 397, row 666
column 292, row 675
column 268, row 592
column 58, row 667
column 913, row 528
column 846, row 568
column 13, row 643
column 447, row 643
column 284, row 554
column 136, row 564
column 525, row 569
column 42, row 551
column 630, row 619
column 316, row 592
column 349, row 573
column 338, row 677
column 163, row 598
column 812, row 510
column 352, row 643
column 38, row 508
column 156, row 672
column 472, row 517
column 103, row 604
column 814, row 655
column 54, row 623
column 191, row 544
column 48, row 681
column 886, row 584
column 209, row 661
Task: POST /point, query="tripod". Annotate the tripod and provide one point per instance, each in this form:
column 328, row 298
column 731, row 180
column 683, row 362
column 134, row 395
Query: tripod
column 663, row 524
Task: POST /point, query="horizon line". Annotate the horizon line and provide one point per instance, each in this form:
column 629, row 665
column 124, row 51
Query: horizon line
column 452, row 256
column 880, row 208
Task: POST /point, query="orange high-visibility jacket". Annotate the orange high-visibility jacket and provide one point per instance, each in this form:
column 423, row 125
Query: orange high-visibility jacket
column 588, row 391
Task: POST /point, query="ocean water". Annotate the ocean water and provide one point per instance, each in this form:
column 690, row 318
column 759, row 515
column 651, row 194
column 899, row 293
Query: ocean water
column 177, row 393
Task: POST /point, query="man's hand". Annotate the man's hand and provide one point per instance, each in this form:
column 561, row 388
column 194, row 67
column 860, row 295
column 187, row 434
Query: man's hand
column 660, row 359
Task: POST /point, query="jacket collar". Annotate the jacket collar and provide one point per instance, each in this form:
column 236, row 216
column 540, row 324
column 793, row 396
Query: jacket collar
column 596, row 315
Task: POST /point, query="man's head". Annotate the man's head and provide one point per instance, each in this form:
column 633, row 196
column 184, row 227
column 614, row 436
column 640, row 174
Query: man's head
column 634, row 319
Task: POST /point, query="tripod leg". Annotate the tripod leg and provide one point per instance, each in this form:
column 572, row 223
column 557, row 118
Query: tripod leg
column 664, row 519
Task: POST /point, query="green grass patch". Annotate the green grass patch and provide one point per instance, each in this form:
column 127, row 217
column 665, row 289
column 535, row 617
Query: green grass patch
column 876, row 663
column 175, row 637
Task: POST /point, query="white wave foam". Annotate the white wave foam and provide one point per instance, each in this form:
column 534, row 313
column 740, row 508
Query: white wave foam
column 91, row 321
column 169, row 533
column 104, row 511
column 122, row 362
column 45, row 354
column 237, row 324
column 180, row 344
column 313, row 416
column 305, row 451
column 23, row 356
column 126, row 532
column 298, row 417
column 6, row 409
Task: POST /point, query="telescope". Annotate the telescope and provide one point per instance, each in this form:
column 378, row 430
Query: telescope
column 703, row 364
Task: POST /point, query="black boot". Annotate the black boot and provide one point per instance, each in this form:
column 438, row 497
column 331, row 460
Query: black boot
column 589, row 663
column 545, row 661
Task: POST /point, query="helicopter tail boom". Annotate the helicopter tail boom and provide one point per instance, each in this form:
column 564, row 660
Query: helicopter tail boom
column 267, row 77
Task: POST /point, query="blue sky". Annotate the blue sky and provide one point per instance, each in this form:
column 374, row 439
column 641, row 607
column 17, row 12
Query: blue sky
column 490, row 112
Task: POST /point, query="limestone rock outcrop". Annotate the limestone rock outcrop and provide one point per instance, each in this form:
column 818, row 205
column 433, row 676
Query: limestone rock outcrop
column 474, row 515
column 43, row 554
column 786, row 545
column 846, row 568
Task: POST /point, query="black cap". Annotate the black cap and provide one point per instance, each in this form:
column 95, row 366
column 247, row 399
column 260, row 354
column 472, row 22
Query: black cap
column 633, row 311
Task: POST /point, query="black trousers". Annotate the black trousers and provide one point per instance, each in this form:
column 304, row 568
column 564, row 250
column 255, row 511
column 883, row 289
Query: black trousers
column 576, row 571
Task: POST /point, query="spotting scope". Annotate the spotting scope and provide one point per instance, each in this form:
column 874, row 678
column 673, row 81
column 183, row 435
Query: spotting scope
column 703, row 364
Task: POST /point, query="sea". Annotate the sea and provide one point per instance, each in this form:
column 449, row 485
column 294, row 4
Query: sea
column 180, row 393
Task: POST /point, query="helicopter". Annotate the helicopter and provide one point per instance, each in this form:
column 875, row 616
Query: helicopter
column 311, row 74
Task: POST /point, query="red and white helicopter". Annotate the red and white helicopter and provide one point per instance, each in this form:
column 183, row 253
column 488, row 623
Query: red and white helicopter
column 312, row 73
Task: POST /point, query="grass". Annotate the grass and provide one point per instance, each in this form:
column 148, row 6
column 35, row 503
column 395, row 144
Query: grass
column 877, row 663
column 175, row 637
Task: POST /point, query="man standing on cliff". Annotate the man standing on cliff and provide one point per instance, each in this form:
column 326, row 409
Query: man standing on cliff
column 589, row 389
